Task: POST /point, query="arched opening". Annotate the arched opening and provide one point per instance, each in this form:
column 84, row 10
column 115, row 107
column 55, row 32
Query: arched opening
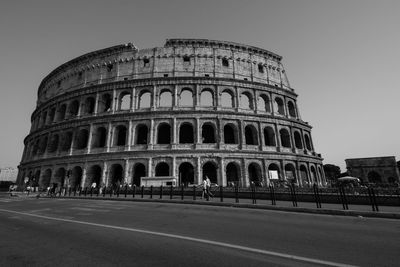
column 82, row 138
column 269, row 136
column 52, row 114
column 61, row 112
column 73, row 108
column 314, row 177
column 263, row 103
column 53, row 145
column 208, row 133
column 164, row 134
column 297, row 140
column 255, row 174
column 290, row 173
column 273, row 173
column 94, row 176
column 245, row 101
column 206, row 98
column 292, row 109
column 141, row 134
column 210, row 171
column 145, row 100
column 165, row 99
column 59, row 177
column 105, row 103
column 251, row 135
column 374, row 177
column 162, row 169
column 76, row 177
column 43, row 119
column 230, row 134
column 279, row 107
column 186, row 135
column 89, row 105
column 139, row 171
column 186, row 98
column 120, row 135
column 307, row 141
column 304, row 176
column 46, row 178
column 43, row 144
column 124, row 101
column 116, row 175
column 100, row 137
column 232, row 174
column 186, row 174
column 227, row 100
column 285, row 138
column 67, row 140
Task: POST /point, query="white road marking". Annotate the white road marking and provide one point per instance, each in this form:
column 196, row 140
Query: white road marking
column 188, row 238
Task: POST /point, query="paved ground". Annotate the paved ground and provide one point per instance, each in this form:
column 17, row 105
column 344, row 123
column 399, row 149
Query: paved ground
column 48, row 232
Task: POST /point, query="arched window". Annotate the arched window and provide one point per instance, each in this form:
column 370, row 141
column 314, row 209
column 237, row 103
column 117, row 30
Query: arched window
column 255, row 174
column 141, row 134
column 290, row 173
column 43, row 120
column 263, row 103
column 82, row 138
column 210, row 171
column 145, row 100
column 208, row 133
column 278, row 106
column 165, row 99
column 61, row 112
column 139, row 171
column 162, row 169
column 232, row 174
column 230, row 134
column 297, row 140
column 308, row 142
column 93, row 176
column 251, row 135
column 206, row 98
column 269, row 136
column 124, row 102
column 53, row 145
column 273, row 172
column 116, row 175
column 89, row 105
column 76, row 177
column 59, row 177
column 314, row 177
column 245, row 101
column 73, row 108
column 285, row 138
column 66, row 141
column 45, row 181
column 186, row 98
column 100, row 137
column 164, row 134
column 304, row 176
column 52, row 114
column 186, row 134
column 43, row 144
column 105, row 103
column 186, row 174
column 292, row 109
column 120, row 135
column 227, row 100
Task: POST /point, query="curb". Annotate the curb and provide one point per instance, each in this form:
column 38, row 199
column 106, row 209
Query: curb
column 352, row 213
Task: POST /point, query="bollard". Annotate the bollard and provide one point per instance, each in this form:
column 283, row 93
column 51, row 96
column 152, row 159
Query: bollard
column 133, row 191
column 151, row 191
column 272, row 192
column 221, row 193
column 194, row 192
column 161, row 191
column 171, row 189
column 253, row 193
column 237, row 193
column 142, row 191
column 182, row 192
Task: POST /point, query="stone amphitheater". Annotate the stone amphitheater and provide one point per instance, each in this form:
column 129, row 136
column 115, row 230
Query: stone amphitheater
column 190, row 109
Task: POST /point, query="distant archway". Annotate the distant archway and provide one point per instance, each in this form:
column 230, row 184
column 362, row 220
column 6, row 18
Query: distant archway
column 186, row 174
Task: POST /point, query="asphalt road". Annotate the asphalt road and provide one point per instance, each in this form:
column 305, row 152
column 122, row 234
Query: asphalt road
column 57, row 232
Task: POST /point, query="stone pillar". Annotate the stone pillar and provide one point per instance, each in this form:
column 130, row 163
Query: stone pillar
column 89, row 143
column 104, row 175
column 199, row 171
column 242, row 137
column 285, row 106
column 96, row 104
column 222, row 182
column 150, row 168
column 174, row 132
column 174, row 167
column 115, row 102
column 130, row 135
column 126, row 169
column 255, row 99
column 109, row 137
column 278, row 138
column 84, row 174
column 220, row 132
column 151, row 141
column 71, row 149
column 245, row 178
column 260, row 136
column 175, row 101
column 196, row 95
column 154, row 98
column 133, row 100
column 198, row 132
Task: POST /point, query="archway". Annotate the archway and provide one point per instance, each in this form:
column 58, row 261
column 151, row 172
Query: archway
column 100, row 137
column 374, row 177
column 162, row 169
column 274, row 173
column 210, row 171
column 251, row 135
column 186, row 174
column 297, row 140
column 255, row 174
column 208, row 133
column 269, row 136
column 46, row 178
column 120, row 135
column 76, row 177
column 285, row 138
column 304, row 176
column 139, row 171
column 232, row 174
column 186, row 134
column 141, row 134
column 230, row 134
column 290, row 173
column 164, row 134
column 59, row 177
column 94, row 176
column 116, row 175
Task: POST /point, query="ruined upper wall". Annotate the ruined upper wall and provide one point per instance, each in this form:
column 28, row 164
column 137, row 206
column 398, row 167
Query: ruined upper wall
column 178, row 57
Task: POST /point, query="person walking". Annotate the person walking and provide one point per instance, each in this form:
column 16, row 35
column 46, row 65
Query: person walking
column 208, row 187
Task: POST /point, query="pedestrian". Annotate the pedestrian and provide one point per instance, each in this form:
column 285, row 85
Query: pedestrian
column 208, row 187
column 204, row 185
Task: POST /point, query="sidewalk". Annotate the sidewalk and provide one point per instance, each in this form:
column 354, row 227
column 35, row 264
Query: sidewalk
column 392, row 212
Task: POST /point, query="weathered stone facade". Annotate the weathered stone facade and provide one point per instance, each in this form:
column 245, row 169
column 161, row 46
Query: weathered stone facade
column 380, row 170
column 191, row 108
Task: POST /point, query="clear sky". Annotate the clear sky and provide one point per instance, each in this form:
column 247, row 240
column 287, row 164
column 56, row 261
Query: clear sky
column 341, row 57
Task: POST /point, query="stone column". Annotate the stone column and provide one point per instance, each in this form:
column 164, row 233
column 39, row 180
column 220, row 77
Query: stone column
column 109, row 137
column 222, row 182
column 104, row 175
column 174, row 167
column 133, row 100
column 285, row 106
column 71, row 149
column 198, row 132
column 96, row 104
column 151, row 141
column 126, row 169
column 130, row 135
column 149, row 167
column 89, row 143
column 174, row 132
column 278, row 138
column 84, row 174
column 154, row 98
column 260, row 136
column 199, row 172
column 115, row 102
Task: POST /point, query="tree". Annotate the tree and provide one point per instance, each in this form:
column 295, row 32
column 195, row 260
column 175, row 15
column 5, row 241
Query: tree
column 332, row 172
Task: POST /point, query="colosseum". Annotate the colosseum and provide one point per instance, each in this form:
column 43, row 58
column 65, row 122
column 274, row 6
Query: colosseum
column 190, row 109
